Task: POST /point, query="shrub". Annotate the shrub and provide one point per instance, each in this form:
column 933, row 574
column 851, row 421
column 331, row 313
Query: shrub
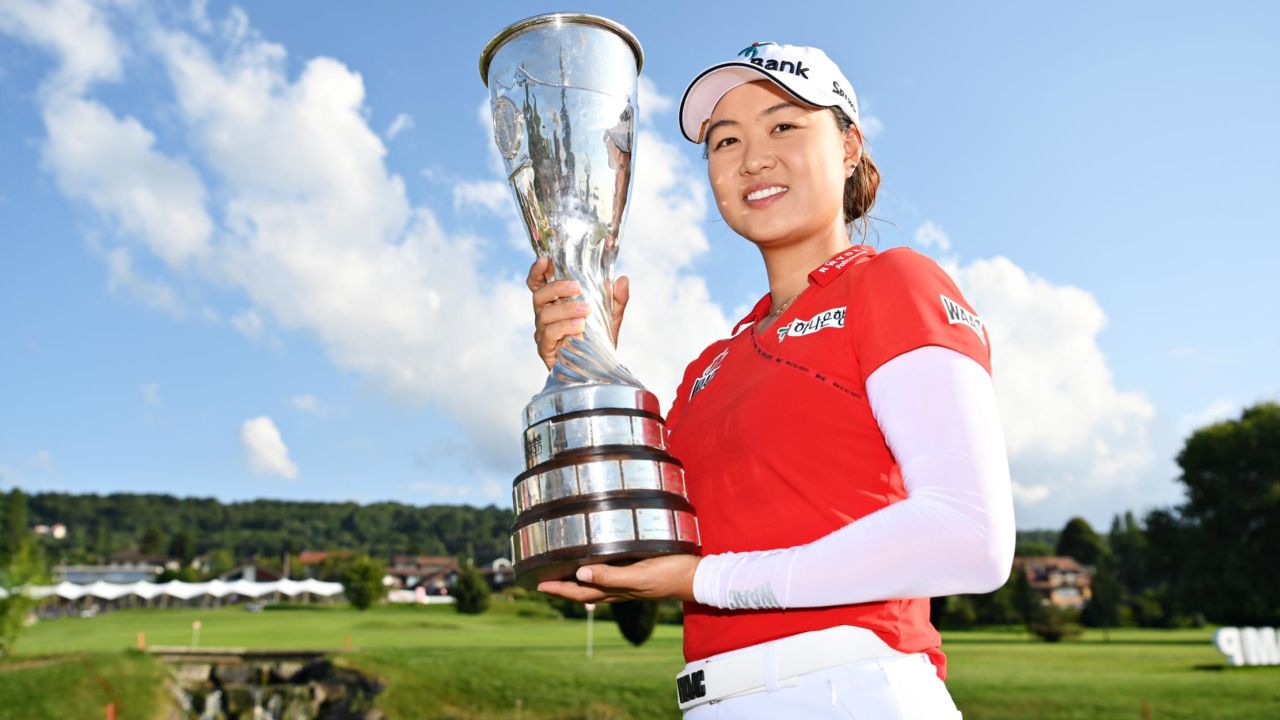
column 1053, row 624
column 636, row 618
column 537, row 611
column 960, row 613
column 574, row 610
column 670, row 612
column 471, row 591
column 362, row 581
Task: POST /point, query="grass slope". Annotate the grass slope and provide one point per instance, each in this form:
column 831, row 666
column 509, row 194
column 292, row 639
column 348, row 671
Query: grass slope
column 81, row 686
column 504, row 664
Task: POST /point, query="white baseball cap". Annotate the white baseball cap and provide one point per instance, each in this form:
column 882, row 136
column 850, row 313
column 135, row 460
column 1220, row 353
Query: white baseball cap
column 805, row 72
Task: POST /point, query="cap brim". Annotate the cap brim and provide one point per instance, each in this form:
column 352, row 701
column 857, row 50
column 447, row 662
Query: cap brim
column 715, row 82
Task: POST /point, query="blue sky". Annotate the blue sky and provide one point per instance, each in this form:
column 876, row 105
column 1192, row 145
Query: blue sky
column 264, row 250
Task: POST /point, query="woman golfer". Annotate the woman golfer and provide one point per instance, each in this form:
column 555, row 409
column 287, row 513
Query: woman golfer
column 842, row 447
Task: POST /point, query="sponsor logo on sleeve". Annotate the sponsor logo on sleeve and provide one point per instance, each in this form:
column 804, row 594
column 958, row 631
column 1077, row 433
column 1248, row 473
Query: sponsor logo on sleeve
column 956, row 314
column 712, row 368
column 833, row 318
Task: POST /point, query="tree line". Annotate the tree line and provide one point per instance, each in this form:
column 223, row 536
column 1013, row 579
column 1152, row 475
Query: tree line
column 1208, row 559
column 183, row 528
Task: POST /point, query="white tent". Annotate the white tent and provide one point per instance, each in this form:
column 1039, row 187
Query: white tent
column 323, row 589
column 251, row 589
column 179, row 590
column 108, row 591
column 147, row 591
column 67, row 591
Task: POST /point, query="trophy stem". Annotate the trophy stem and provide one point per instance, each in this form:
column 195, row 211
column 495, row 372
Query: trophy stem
column 575, row 366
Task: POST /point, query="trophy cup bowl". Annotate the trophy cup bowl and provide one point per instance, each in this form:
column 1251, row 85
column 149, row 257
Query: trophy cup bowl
column 598, row 484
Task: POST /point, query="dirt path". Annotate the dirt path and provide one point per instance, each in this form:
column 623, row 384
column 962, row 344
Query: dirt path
column 37, row 662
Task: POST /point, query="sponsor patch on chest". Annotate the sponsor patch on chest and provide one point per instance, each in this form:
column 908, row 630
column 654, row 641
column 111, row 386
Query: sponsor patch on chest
column 957, row 314
column 832, row 318
column 710, row 372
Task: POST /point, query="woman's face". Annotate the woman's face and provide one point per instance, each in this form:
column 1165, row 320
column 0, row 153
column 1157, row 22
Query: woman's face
column 777, row 167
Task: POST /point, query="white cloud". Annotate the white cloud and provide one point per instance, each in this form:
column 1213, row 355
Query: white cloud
column 43, row 461
column 112, row 163
column 75, row 32
column 872, row 126
column 1072, row 434
column 248, row 323
column 651, row 101
column 198, row 14
column 150, row 393
column 123, row 279
column 8, row 476
column 492, row 195
column 307, row 404
column 931, row 236
column 264, row 449
column 401, row 123
column 1029, row 494
column 1217, row 411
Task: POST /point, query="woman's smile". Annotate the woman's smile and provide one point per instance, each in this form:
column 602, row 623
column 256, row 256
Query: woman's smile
column 762, row 195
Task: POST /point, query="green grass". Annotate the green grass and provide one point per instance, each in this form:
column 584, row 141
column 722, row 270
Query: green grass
column 318, row 627
column 439, row 664
column 1175, row 673
column 81, row 686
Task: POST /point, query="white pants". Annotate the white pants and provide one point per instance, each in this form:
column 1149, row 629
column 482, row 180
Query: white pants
column 891, row 688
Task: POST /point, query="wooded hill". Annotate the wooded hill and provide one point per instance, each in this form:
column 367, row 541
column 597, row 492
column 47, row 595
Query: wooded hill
column 99, row 525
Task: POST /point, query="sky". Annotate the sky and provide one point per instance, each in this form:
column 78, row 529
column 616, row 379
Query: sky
column 267, row 250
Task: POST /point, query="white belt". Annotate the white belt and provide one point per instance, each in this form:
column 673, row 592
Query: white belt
column 774, row 664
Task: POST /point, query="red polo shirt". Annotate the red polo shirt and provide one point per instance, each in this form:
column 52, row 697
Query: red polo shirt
column 779, row 444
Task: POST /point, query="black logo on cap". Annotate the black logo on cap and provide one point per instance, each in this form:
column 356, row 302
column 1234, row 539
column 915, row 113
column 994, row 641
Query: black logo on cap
column 795, row 68
column 835, row 88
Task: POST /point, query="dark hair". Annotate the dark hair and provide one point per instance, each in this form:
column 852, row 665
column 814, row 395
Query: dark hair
column 859, row 189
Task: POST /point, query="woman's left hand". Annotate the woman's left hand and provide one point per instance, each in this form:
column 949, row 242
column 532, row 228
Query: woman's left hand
column 665, row 576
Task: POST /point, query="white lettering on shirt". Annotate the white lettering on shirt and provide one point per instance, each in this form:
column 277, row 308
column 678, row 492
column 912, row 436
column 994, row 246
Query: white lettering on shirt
column 957, row 314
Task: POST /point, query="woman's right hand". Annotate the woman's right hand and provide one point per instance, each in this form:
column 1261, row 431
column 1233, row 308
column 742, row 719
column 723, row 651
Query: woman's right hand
column 555, row 321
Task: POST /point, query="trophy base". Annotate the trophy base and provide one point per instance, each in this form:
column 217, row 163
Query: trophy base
column 599, row 486
column 562, row 564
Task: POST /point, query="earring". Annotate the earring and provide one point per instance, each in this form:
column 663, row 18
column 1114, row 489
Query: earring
column 850, row 173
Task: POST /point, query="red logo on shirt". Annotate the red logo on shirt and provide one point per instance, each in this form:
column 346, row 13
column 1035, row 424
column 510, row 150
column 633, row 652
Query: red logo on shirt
column 707, row 374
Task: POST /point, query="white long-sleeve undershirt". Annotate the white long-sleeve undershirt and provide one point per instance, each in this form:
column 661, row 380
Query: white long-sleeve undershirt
column 952, row 534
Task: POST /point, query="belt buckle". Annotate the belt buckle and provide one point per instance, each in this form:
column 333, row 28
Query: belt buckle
column 691, row 688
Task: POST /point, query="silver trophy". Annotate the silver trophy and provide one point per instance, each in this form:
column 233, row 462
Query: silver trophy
column 598, row 484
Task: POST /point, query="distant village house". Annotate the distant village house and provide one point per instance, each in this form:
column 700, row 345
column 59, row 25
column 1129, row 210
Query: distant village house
column 1059, row 580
